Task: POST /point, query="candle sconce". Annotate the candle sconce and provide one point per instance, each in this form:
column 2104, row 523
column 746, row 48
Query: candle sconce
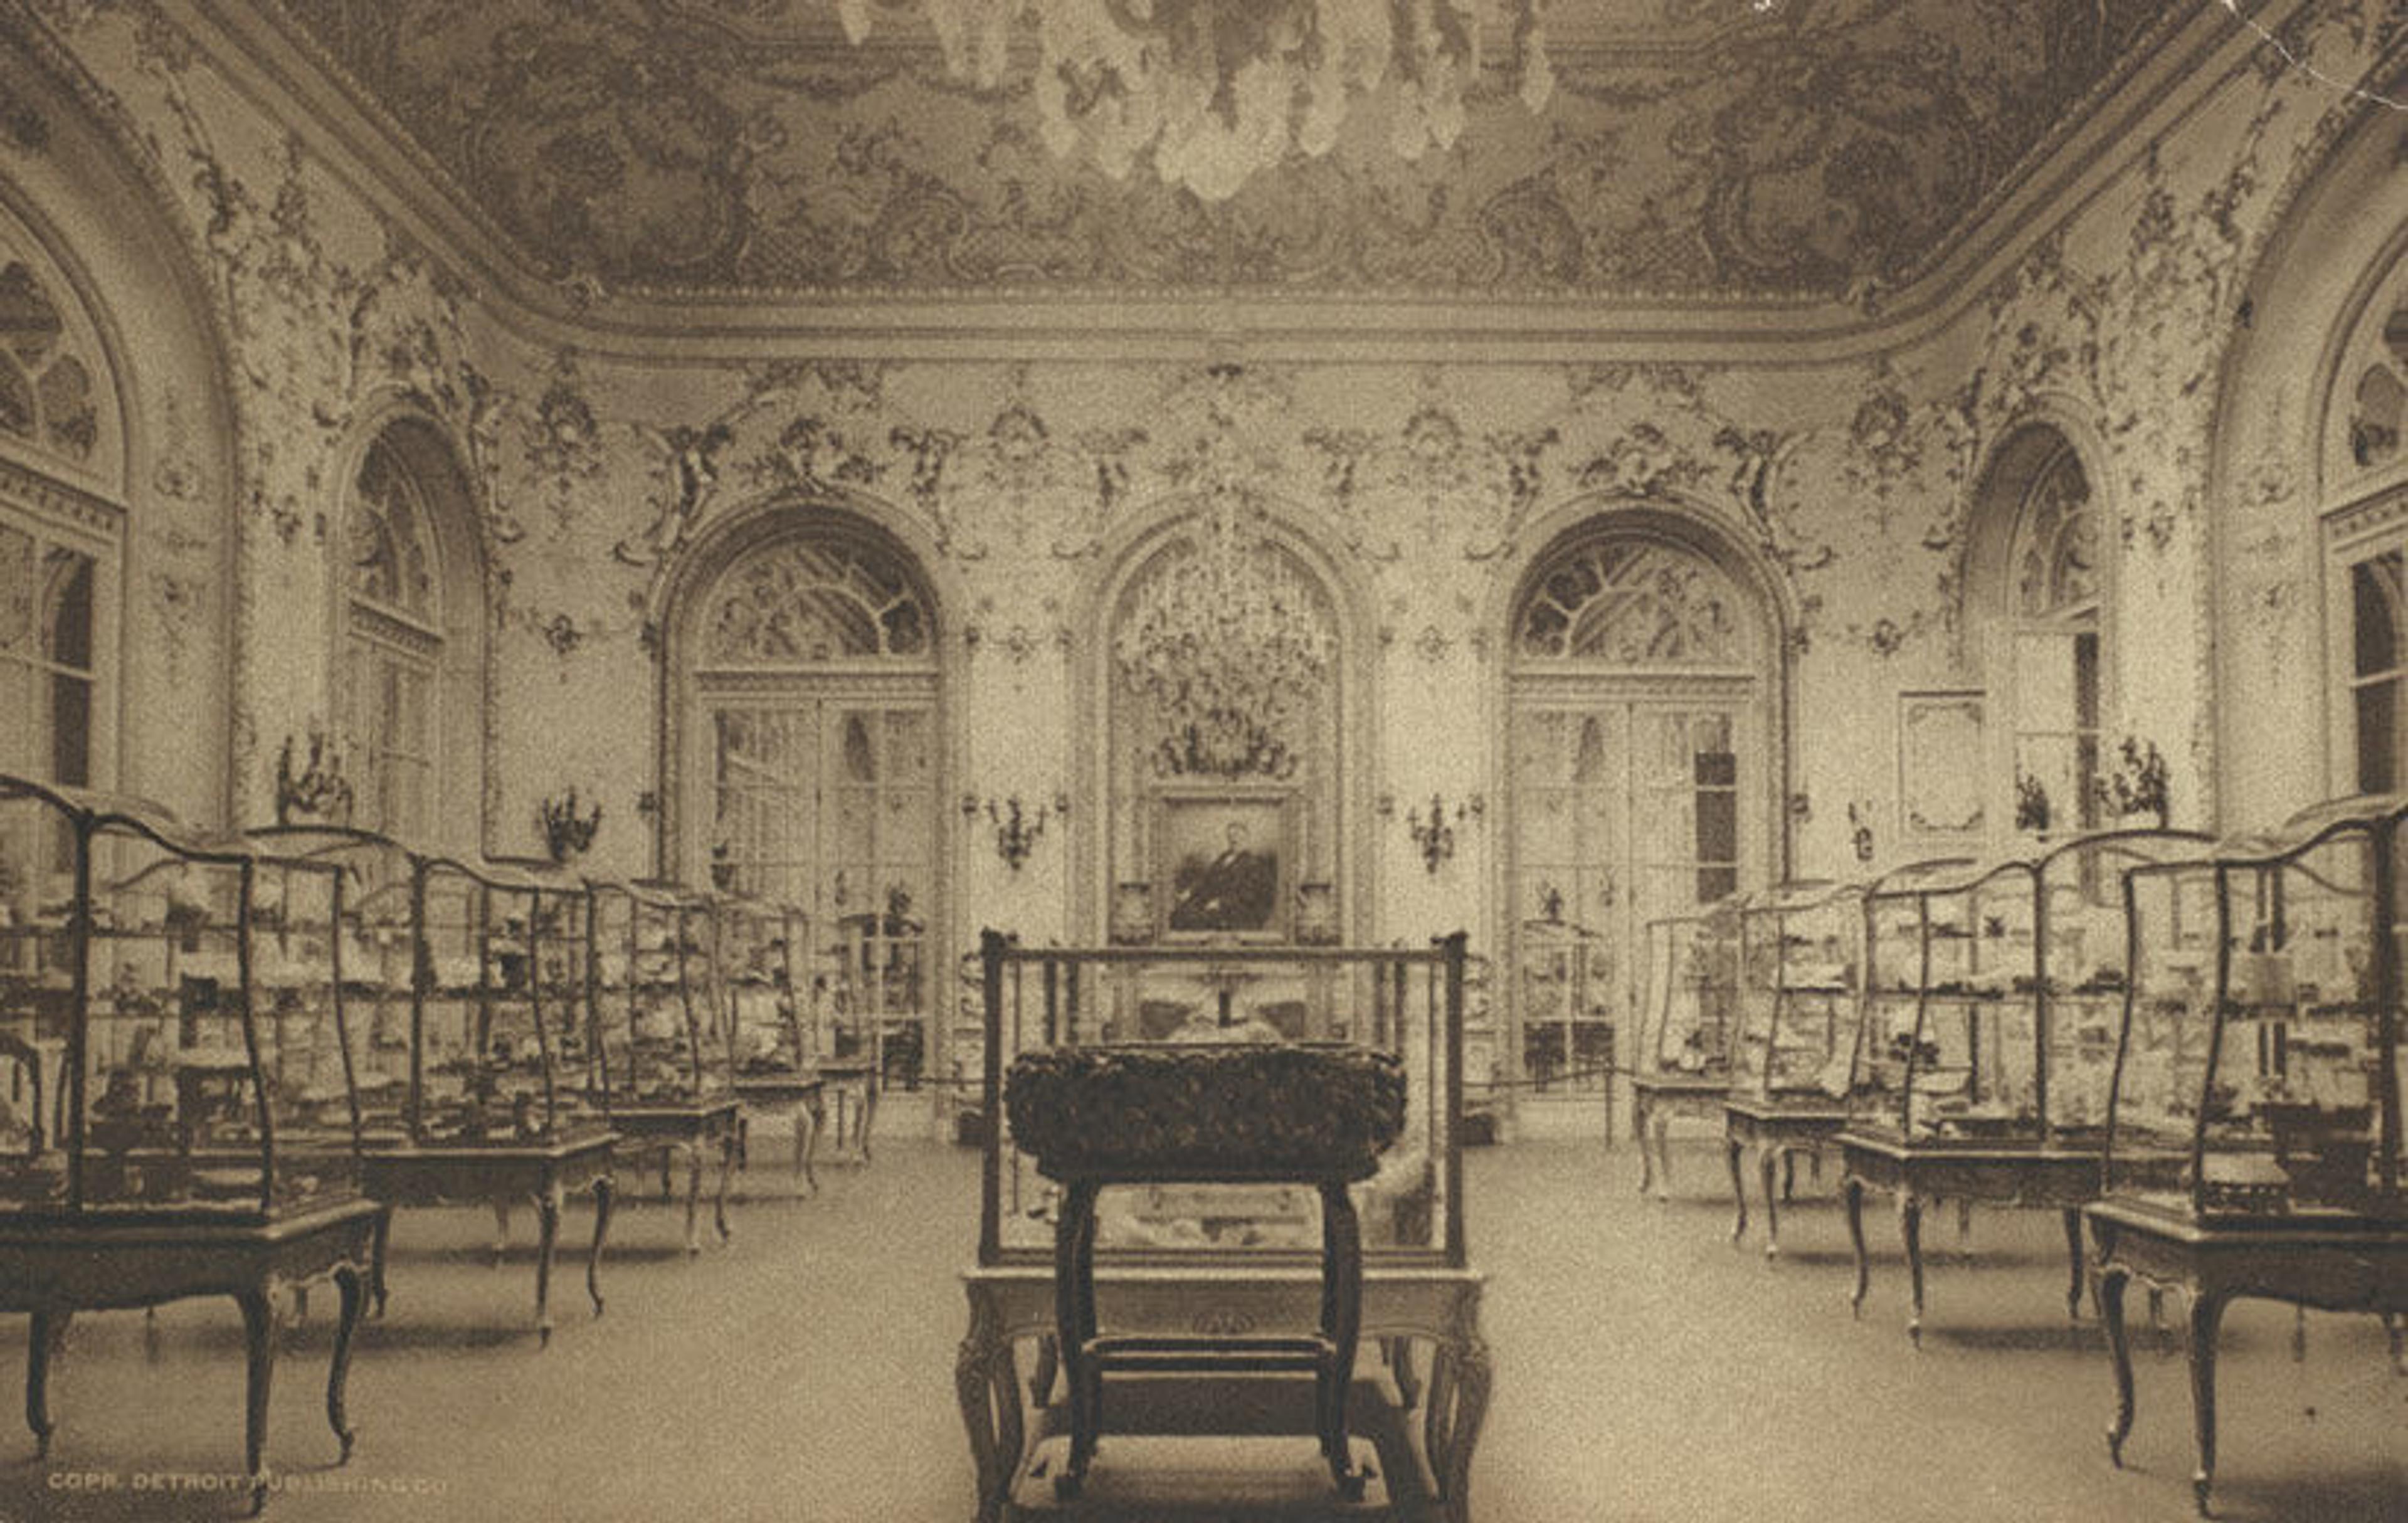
column 318, row 789
column 568, row 830
column 1434, row 832
column 1860, row 827
column 1017, row 827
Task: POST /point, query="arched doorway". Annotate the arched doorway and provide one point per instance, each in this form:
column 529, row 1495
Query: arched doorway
column 1641, row 765
column 809, row 744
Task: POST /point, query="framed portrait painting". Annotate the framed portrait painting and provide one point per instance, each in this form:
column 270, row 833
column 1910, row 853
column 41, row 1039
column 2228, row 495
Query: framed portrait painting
column 1224, row 861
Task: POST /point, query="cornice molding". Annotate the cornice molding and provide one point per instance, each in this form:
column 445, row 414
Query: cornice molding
column 288, row 74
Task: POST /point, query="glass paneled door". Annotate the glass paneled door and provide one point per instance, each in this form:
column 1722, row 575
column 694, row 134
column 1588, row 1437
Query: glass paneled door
column 1627, row 810
column 828, row 803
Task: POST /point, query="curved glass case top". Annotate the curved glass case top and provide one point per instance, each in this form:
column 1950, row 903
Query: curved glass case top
column 1688, row 1014
column 1801, row 947
column 172, row 1023
column 2258, row 1069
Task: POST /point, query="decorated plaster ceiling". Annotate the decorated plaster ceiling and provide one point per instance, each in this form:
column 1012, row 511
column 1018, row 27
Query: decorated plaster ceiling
column 1691, row 149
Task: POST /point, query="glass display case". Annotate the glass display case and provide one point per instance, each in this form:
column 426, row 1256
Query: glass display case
column 1688, row 1018
column 174, row 1027
column 179, row 1118
column 378, row 948
column 1799, row 948
column 2258, row 1072
column 2254, row 1142
column 648, row 1036
column 491, row 1062
column 1406, row 1002
column 759, row 945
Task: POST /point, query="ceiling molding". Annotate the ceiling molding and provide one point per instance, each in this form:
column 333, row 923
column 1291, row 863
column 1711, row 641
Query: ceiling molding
column 288, row 75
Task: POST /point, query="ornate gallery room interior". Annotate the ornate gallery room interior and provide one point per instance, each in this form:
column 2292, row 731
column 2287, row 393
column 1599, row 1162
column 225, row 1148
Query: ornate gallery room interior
column 1204, row 759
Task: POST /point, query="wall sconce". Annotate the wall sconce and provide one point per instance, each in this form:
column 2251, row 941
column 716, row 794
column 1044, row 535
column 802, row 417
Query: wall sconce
column 318, row 788
column 1435, row 833
column 1017, row 828
column 1860, row 827
column 567, row 830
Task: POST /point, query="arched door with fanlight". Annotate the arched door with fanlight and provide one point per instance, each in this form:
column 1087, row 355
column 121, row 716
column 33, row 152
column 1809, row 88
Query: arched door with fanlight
column 1640, row 762
column 811, row 750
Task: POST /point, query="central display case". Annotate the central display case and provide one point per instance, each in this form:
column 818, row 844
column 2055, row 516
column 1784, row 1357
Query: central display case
column 1201, row 1158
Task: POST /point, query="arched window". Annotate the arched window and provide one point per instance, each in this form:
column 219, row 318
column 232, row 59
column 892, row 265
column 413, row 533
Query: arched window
column 1640, row 761
column 58, row 547
column 410, row 693
column 2367, row 547
column 2055, row 672
column 810, row 749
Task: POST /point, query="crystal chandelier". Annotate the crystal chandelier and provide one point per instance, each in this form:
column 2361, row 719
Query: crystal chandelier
column 1219, row 89
column 1231, row 646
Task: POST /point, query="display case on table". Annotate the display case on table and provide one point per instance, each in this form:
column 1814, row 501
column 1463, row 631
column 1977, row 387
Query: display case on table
column 1801, row 947
column 181, row 1117
column 1199, row 1123
column 2254, row 1142
column 1983, row 1072
column 665, row 1043
column 762, row 950
column 1688, row 1023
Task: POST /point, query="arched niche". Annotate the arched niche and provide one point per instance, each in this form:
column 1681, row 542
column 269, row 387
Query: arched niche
column 1644, row 763
column 805, row 759
column 1225, row 697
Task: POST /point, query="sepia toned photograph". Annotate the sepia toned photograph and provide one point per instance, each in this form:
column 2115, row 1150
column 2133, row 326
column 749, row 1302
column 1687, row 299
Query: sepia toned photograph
column 1204, row 761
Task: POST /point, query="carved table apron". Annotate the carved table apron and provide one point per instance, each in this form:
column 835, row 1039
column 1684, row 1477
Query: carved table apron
column 2030, row 1176
column 1776, row 1129
column 690, row 1130
column 1401, row 1305
column 498, row 1174
column 2350, row 1264
column 52, row 1264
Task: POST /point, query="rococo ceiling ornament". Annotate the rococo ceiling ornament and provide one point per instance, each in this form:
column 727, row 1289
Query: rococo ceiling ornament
column 1219, row 89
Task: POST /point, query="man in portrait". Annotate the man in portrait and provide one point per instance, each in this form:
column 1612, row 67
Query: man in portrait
column 1235, row 890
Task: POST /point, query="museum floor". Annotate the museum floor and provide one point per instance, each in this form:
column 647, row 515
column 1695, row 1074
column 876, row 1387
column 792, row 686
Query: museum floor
column 1646, row 1370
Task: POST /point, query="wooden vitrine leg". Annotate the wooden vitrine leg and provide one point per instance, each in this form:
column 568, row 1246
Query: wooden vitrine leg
column 1739, row 1189
column 2206, row 1316
column 807, row 1143
column 694, row 1197
column 377, row 1246
column 1853, row 1193
column 47, row 1333
column 2112, row 1281
column 1341, row 1277
column 1910, row 1231
column 606, row 1193
column 1769, row 1160
column 1639, row 1109
column 501, row 1230
column 983, row 1383
column 259, row 1344
column 1400, row 1366
column 726, row 1172
column 1074, row 1244
column 2073, row 1258
column 338, row 1371
column 547, row 1216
